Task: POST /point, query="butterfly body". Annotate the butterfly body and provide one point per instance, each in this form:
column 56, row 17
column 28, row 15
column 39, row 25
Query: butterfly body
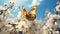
column 30, row 16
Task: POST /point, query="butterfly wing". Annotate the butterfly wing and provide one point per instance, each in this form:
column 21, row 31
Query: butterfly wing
column 24, row 10
column 33, row 10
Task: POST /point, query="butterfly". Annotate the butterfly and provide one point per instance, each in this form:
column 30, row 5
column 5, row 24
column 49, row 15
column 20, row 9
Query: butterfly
column 31, row 15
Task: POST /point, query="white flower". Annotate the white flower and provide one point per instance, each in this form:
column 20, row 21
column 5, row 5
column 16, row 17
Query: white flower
column 5, row 4
column 58, row 8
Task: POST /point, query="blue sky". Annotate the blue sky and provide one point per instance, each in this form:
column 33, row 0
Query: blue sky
column 29, row 4
column 46, row 4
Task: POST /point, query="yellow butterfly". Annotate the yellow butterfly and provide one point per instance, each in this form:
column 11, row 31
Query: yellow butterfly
column 31, row 15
